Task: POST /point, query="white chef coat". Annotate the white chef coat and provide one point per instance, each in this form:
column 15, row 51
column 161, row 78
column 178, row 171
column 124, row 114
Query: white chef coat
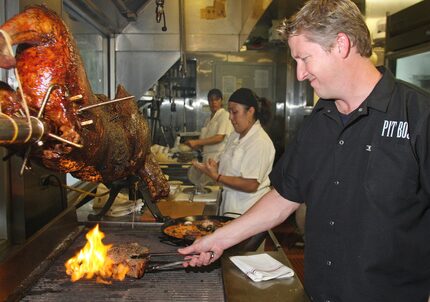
column 251, row 156
column 218, row 124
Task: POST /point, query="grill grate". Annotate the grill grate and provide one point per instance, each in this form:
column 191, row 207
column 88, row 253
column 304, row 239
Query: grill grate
column 175, row 285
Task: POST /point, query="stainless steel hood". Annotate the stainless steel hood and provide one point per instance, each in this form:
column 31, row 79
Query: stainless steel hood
column 110, row 17
column 207, row 22
column 144, row 52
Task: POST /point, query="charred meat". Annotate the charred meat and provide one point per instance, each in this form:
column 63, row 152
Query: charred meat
column 129, row 255
column 115, row 138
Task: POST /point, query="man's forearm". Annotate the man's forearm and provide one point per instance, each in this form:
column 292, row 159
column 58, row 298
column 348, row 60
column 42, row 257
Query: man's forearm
column 271, row 210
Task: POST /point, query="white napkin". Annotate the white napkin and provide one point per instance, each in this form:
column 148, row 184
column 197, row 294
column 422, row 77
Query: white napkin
column 262, row 267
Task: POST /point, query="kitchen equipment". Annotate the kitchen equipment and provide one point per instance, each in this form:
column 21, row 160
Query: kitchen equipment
column 197, row 190
column 209, row 194
column 212, row 223
column 165, row 266
column 158, row 265
column 52, row 283
column 250, row 244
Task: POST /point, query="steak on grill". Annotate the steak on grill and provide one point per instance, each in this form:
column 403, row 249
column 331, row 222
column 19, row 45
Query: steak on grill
column 129, row 254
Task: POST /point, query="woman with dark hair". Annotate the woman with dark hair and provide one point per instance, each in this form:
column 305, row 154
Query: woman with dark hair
column 216, row 129
column 247, row 160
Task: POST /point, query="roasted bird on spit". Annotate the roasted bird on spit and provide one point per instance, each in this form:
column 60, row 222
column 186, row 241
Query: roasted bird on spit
column 54, row 114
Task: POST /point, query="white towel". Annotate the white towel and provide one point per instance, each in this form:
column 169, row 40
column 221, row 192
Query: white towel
column 262, row 267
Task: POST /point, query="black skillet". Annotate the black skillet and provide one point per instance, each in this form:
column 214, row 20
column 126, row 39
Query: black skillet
column 190, row 239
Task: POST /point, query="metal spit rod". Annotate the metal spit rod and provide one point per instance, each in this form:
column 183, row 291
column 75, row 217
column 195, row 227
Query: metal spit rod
column 16, row 130
column 104, row 103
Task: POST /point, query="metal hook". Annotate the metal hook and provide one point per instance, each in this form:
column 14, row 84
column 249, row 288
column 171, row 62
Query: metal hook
column 46, row 98
column 159, row 13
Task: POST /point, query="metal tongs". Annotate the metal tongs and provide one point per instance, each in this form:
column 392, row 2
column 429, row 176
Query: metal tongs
column 161, row 265
column 164, row 266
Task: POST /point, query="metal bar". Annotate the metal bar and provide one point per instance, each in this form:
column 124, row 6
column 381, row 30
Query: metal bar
column 16, row 130
column 46, row 98
column 160, row 254
column 158, row 267
column 113, row 193
column 275, row 240
column 182, row 42
column 135, row 202
column 105, row 103
column 143, row 189
column 25, row 160
column 59, row 138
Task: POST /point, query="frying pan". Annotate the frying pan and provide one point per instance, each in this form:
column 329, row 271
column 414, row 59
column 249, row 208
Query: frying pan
column 189, row 240
column 248, row 245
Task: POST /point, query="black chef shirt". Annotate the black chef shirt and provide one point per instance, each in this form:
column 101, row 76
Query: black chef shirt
column 367, row 189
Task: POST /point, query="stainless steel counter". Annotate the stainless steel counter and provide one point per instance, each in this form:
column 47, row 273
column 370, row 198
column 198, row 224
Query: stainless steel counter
column 238, row 287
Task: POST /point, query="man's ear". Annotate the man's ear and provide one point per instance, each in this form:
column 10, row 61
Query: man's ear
column 342, row 45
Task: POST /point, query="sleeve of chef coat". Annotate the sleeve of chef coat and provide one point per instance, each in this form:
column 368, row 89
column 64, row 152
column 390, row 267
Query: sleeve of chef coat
column 258, row 159
column 284, row 174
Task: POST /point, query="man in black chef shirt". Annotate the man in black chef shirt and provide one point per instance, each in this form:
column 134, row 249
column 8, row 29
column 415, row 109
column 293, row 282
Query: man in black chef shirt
column 365, row 179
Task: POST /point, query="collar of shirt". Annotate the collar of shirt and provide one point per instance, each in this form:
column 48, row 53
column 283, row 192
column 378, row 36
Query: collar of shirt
column 378, row 99
column 256, row 127
column 218, row 112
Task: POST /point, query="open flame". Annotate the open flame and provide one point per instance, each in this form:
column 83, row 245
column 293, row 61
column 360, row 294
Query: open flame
column 93, row 260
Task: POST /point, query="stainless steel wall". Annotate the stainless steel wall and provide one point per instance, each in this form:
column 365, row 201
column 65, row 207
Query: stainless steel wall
column 299, row 100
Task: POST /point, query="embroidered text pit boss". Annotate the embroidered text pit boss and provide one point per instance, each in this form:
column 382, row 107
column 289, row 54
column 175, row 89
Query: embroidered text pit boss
column 398, row 129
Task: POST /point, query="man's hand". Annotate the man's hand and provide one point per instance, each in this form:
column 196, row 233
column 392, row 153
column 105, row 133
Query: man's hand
column 207, row 249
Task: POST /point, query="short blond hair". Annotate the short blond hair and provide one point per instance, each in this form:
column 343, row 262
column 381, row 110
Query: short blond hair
column 322, row 20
